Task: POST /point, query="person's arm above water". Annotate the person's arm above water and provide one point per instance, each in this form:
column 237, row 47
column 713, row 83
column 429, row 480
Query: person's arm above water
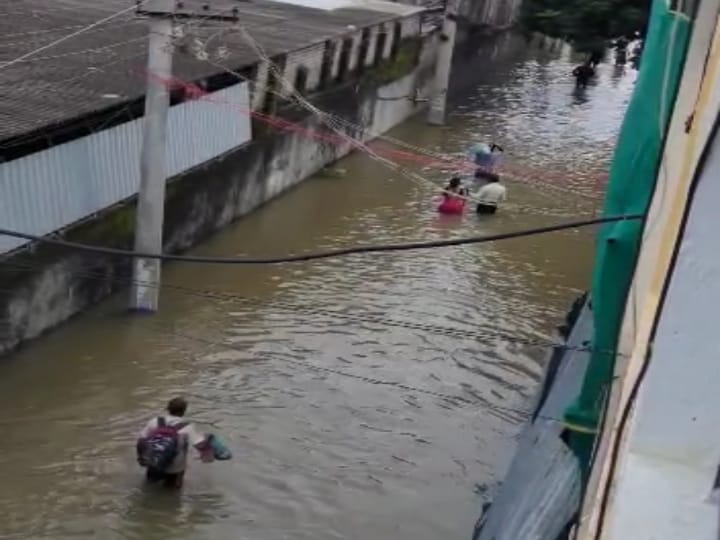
column 195, row 439
column 145, row 432
column 199, row 441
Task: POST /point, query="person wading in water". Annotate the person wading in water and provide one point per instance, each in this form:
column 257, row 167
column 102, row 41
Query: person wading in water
column 455, row 186
column 582, row 75
column 164, row 444
column 490, row 195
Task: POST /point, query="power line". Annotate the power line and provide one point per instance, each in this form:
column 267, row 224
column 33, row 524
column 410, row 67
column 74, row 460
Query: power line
column 334, row 122
column 478, row 400
column 422, row 156
column 101, row 48
column 11, row 44
column 36, row 32
column 305, row 257
column 454, row 399
column 483, row 336
column 502, row 412
column 512, row 414
column 71, row 35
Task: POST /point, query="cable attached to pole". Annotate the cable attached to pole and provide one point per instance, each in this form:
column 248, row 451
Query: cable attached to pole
column 328, row 254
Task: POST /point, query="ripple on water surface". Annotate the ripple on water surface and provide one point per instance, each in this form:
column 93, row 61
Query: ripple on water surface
column 365, row 397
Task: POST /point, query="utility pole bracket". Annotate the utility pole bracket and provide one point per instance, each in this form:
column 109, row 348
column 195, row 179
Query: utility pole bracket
column 178, row 9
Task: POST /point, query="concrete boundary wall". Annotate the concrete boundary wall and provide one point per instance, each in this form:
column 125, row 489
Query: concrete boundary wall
column 47, row 285
column 51, row 189
column 311, row 58
column 54, row 188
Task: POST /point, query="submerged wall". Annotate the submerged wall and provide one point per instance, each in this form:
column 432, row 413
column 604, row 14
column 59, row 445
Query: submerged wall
column 42, row 286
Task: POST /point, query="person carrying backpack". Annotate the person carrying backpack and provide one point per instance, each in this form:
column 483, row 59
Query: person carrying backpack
column 164, row 444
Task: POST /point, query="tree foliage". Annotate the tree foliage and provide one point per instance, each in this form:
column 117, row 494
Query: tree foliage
column 587, row 24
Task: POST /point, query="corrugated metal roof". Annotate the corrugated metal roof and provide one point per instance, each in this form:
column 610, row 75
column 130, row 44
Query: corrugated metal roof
column 105, row 65
column 542, row 490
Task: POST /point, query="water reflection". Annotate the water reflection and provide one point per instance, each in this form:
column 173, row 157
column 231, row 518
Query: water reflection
column 580, row 95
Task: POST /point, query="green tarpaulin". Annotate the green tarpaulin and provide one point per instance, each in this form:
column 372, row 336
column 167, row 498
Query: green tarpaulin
column 630, row 190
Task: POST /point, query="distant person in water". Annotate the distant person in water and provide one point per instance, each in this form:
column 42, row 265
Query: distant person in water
column 453, row 197
column 488, row 159
column 496, row 152
column 490, row 196
column 595, row 58
column 455, row 187
column 636, row 54
column 165, row 443
column 621, row 45
column 582, row 75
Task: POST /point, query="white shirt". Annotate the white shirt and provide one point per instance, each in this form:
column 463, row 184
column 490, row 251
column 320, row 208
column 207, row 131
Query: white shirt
column 491, row 194
column 188, row 436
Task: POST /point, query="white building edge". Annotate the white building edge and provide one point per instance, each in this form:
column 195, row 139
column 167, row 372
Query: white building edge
column 660, row 450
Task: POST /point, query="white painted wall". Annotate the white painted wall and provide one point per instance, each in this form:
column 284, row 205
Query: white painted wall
column 54, row 188
column 387, row 112
column 311, row 59
column 372, row 46
column 388, row 29
column 336, row 58
column 673, row 445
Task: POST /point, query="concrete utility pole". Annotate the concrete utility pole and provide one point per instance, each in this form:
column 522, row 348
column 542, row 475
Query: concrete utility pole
column 443, row 65
column 145, row 289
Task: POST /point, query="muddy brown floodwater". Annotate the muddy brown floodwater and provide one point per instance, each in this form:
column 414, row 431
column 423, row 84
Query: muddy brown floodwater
column 294, row 365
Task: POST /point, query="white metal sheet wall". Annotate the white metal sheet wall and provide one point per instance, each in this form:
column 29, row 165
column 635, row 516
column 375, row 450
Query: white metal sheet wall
column 51, row 189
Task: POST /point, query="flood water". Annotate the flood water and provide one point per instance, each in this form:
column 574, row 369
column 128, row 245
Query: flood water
column 293, row 365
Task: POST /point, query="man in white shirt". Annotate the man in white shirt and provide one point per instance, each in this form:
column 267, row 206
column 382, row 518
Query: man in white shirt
column 164, row 444
column 490, row 195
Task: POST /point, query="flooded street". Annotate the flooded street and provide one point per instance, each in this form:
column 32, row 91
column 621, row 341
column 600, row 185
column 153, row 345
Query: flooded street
column 294, row 365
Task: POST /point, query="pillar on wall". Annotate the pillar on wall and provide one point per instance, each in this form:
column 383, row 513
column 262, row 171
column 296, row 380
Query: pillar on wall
column 327, row 63
column 380, row 46
column 344, row 62
column 301, row 80
column 273, row 86
column 363, row 50
column 436, row 115
column 396, row 39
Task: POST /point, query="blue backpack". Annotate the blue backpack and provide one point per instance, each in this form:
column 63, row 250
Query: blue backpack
column 161, row 447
